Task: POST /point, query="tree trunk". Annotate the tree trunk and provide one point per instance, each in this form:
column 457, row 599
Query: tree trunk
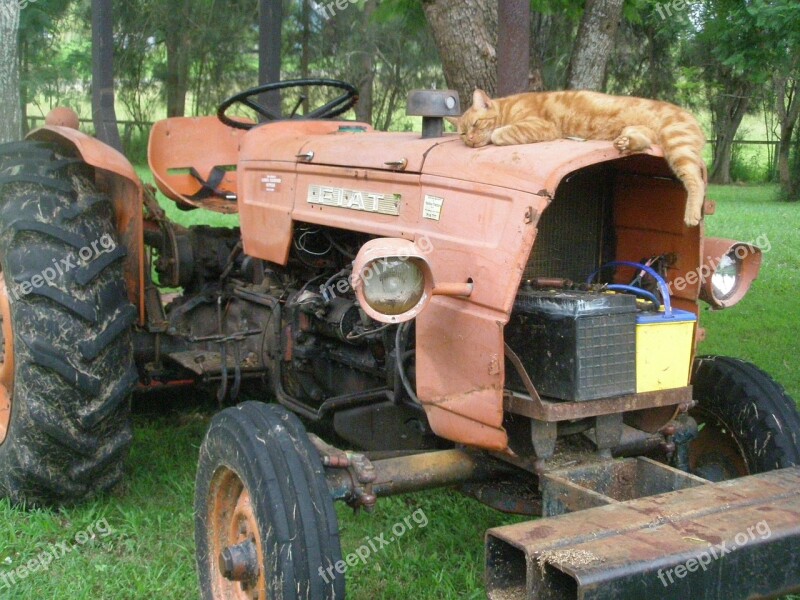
column 269, row 49
column 24, row 77
column 513, row 46
column 11, row 121
column 103, row 113
column 728, row 115
column 305, row 47
column 541, row 30
column 594, row 44
column 787, row 105
column 367, row 80
column 177, row 44
column 466, row 35
column 791, row 191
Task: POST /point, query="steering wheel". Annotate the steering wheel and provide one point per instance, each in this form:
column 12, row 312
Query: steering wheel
column 250, row 98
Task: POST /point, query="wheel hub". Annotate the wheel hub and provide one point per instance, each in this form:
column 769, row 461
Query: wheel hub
column 236, row 542
column 6, row 360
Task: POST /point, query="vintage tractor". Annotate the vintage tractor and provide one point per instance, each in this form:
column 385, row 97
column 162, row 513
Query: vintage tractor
column 519, row 322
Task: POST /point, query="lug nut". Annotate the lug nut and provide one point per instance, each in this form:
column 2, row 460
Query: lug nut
column 240, row 562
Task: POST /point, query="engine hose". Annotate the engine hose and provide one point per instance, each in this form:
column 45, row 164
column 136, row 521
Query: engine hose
column 400, row 343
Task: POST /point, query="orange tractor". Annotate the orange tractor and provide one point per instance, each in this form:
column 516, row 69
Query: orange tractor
column 519, row 322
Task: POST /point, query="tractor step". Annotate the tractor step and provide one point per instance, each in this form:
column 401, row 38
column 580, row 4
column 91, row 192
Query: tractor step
column 729, row 540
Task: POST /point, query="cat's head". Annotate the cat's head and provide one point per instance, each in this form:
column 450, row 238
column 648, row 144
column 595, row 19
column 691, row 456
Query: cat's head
column 477, row 124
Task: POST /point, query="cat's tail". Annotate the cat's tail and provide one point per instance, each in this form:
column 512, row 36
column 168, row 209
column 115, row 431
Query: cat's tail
column 682, row 142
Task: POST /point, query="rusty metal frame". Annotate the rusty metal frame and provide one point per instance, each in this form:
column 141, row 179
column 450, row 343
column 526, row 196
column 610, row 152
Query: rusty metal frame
column 542, row 409
column 654, row 547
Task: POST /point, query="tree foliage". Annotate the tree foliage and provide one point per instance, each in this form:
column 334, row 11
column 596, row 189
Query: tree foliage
column 723, row 58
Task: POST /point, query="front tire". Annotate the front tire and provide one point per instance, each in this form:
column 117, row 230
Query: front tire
column 265, row 525
column 67, row 366
column 748, row 423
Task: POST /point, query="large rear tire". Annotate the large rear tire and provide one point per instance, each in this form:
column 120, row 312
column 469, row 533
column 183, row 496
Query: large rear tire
column 67, row 368
column 748, row 423
column 265, row 525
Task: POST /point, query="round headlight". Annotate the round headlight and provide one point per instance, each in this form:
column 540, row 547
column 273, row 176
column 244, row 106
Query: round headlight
column 393, row 286
column 727, row 276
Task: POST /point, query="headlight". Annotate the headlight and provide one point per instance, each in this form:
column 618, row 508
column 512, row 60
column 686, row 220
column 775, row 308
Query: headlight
column 725, row 280
column 393, row 286
column 729, row 269
column 392, row 280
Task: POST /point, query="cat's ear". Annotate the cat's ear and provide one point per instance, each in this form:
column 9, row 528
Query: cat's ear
column 481, row 100
column 454, row 121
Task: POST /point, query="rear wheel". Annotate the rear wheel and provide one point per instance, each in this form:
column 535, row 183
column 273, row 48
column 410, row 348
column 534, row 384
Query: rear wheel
column 67, row 361
column 748, row 424
column 265, row 525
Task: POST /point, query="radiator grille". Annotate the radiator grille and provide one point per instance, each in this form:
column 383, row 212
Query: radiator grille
column 574, row 232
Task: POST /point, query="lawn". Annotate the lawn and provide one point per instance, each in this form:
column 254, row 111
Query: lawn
column 138, row 543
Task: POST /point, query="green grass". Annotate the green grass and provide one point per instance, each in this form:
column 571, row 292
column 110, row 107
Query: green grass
column 762, row 328
column 150, row 552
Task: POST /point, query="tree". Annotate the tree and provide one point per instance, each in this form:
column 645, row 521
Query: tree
column 48, row 69
column 554, row 27
column 594, row 44
column 366, row 82
column 269, row 49
column 11, row 122
column 787, row 105
column 644, row 62
column 513, row 46
column 779, row 21
column 727, row 69
column 466, row 35
column 103, row 113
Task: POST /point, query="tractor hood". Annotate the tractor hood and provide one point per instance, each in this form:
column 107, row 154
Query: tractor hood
column 532, row 167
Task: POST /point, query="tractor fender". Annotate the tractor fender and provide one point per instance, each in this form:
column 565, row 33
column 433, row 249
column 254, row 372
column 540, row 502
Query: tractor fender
column 115, row 176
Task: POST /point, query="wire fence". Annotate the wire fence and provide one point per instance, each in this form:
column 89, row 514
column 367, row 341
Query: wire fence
column 126, row 127
column 755, row 167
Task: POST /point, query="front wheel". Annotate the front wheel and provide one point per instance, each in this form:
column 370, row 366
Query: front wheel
column 265, row 525
column 748, row 424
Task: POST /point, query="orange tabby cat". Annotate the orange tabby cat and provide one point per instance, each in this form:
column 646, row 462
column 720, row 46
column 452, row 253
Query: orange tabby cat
column 633, row 124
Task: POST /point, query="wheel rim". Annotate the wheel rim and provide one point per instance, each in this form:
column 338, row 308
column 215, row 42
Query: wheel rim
column 716, row 453
column 6, row 360
column 232, row 522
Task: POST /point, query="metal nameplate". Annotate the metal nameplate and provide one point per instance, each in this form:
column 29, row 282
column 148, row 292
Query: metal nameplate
column 385, row 204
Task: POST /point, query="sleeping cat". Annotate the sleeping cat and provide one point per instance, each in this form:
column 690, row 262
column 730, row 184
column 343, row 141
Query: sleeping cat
column 633, row 124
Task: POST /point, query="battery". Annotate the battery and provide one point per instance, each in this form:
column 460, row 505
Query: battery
column 574, row 345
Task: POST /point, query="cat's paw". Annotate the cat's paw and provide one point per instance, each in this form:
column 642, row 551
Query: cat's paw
column 692, row 217
column 623, row 144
